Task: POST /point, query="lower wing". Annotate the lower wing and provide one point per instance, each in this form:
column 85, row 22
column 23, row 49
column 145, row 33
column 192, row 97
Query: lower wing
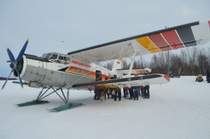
column 125, row 82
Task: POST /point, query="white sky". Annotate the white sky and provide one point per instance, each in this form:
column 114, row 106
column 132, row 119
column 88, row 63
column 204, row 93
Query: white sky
column 66, row 25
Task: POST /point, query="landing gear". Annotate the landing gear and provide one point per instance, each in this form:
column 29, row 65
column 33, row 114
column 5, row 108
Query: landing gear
column 64, row 96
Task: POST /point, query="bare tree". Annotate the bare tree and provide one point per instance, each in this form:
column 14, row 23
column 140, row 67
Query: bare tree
column 202, row 62
column 192, row 59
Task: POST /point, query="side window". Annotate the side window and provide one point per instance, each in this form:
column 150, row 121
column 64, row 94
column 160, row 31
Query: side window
column 65, row 59
column 61, row 58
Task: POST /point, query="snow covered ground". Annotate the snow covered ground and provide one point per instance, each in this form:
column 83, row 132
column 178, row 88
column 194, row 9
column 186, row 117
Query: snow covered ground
column 177, row 110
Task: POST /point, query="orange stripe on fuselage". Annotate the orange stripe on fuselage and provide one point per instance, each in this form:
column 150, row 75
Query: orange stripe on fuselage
column 83, row 72
column 80, row 64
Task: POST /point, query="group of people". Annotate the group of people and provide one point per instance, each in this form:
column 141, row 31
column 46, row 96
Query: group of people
column 137, row 91
column 102, row 94
column 133, row 93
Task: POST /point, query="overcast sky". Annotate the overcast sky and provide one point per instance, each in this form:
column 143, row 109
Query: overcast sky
column 67, row 25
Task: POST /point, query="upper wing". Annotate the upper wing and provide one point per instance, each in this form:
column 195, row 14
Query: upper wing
column 186, row 35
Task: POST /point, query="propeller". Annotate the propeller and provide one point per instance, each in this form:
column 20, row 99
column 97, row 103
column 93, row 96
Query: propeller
column 14, row 64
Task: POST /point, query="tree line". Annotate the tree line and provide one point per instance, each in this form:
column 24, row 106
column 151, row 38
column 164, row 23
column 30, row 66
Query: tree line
column 190, row 61
column 185, row 62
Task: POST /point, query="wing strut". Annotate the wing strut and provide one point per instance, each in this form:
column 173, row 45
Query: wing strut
column 132, row 61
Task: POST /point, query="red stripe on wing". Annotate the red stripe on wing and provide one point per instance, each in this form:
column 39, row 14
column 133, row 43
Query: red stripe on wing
column 160, row 42
column 173, row 39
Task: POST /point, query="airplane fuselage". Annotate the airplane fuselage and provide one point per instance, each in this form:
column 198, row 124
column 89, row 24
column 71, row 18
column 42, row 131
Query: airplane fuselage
column 38, row 72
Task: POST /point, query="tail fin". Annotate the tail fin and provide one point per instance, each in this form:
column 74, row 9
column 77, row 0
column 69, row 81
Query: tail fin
column 118, row 64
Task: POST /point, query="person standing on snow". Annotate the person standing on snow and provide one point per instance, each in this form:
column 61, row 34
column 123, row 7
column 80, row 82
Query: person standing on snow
column 208, row 75
column 119, row 95
column 142, row 92
column 147, row 93
column 131, row 92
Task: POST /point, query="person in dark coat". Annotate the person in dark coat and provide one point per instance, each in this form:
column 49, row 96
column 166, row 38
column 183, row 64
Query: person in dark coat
column 136, row 92
column 96, row 93
column 115, row 94
column 147, row 93
column 139, row 91
column 119, row 94
column 142, row 92
column 125, row 92
column 208, row 75
column 131, row 92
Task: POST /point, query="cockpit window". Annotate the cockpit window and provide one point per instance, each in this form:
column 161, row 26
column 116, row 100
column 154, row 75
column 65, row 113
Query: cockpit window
column 58, row 58
column 61, row 58
column 46, row 56
column 65, row 58
column 54, row 56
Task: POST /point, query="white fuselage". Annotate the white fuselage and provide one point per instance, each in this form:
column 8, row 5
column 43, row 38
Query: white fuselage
column 46, row 74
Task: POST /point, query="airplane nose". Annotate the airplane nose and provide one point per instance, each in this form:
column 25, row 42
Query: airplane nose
column 19, row 67
column 11, row 65
column 16, row 64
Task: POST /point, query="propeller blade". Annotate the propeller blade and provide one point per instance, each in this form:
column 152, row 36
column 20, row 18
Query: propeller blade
column 7, row 79
column 21, row 82
column 11, row 56
column 22, row 51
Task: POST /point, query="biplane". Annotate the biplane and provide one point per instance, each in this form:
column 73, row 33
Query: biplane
column 57, row 73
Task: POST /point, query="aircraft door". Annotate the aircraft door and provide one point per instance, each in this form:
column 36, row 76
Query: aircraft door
column 98, row 75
